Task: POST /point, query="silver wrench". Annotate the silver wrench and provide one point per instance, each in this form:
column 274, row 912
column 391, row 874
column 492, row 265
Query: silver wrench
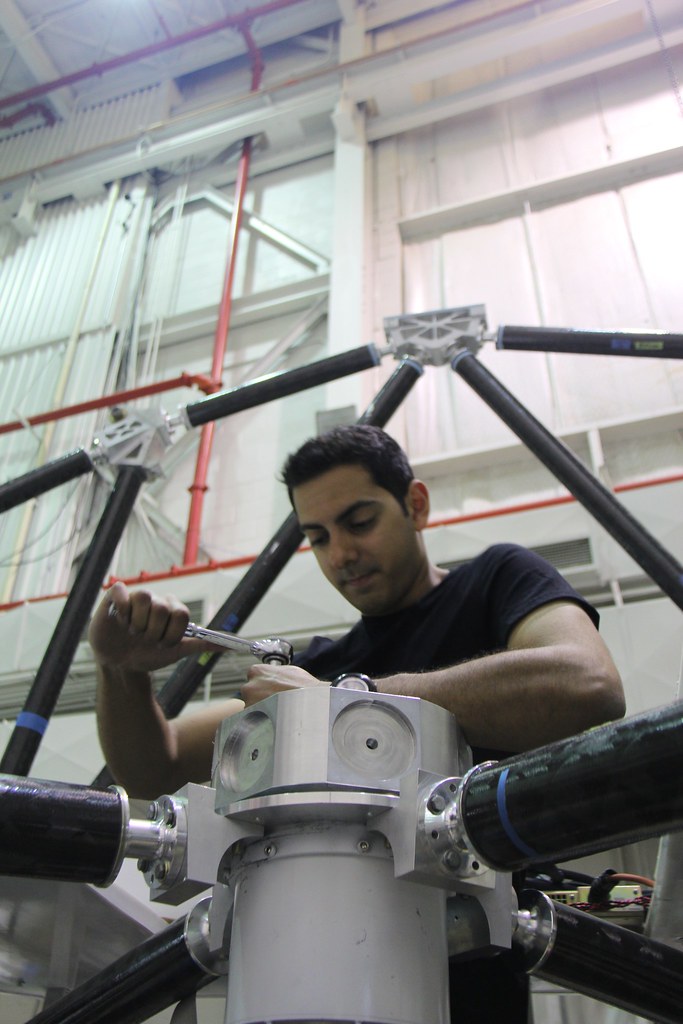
column 271, row 651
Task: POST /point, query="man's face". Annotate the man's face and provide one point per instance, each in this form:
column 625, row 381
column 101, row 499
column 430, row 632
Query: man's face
column 366, row 544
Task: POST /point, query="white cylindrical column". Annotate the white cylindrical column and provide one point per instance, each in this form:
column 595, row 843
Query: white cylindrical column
column 322, row 931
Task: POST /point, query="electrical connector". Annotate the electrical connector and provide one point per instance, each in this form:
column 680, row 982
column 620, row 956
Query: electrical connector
column 602, row 886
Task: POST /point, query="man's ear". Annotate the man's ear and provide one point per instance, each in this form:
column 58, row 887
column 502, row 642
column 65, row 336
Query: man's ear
column 417, row 502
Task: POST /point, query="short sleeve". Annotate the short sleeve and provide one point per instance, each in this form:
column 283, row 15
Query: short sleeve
column 520, row 581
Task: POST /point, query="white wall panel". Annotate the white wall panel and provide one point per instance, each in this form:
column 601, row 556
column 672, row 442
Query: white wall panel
column 639, row 106
column 297, row 200
column 588, row 268
column 639, row 458
column 555, row 132
column 416, row 171
column 654, row 214
column 198, row 245
column 188, row 256
column 647, row 642
column 474, row 159
column 603, row 260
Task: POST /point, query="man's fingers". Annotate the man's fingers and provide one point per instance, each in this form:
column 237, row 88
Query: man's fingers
column 139, row 611
column 172, row 626
column 114, row 604
column 147, row 618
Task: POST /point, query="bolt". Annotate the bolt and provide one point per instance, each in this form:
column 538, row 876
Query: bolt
column 160, row 870
column 371, row 743
column 169, row 816
column 436, row 803
column 363, row 846
column 254, row 753
column 153, row 810
column 451, row 860
column 143, row 865
column 270, row 850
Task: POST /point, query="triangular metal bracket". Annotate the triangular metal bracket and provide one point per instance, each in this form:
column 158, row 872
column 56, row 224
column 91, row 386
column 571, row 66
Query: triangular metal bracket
column 139, row 439
column 434, row 338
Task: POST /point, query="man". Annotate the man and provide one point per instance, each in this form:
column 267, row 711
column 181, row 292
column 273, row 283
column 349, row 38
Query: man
column 503, row 642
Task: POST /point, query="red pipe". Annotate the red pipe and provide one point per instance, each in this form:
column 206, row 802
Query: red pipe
column 198, row 487
column 225, row 308
column 175, row 571
column 185, row 380
column 9, row 120
column 239, row 21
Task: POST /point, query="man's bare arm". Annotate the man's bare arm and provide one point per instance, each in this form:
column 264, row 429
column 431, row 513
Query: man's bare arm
column 555, row 679
column 146, row 753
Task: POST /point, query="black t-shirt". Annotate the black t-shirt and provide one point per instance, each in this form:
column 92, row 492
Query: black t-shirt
column 469, row 614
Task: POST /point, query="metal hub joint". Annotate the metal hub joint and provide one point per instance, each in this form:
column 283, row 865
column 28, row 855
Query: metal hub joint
column 331, row 826
column 139, row 439
column 434, row 338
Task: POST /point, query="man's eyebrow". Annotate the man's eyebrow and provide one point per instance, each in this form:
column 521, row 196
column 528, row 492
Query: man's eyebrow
column 347, row 513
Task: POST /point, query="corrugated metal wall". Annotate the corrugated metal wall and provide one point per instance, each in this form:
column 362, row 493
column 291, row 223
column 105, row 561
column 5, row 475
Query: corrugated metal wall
column 85, row 131
column 66, row 294
column 159, row 293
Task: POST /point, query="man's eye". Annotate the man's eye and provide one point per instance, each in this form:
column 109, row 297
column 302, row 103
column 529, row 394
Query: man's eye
column 363, row 524
column 315, row 542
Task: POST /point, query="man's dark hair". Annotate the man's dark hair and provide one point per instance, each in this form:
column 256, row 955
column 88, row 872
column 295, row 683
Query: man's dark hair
column 357, row 445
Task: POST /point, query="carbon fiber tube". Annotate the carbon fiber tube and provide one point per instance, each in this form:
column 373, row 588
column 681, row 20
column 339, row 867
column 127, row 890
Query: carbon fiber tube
column 606, row 787
column 33, row 720
column 52, row 474
column 58, row 831
column 607, row 343
column 389, row 397
column 267, row 389
column 231, row 616
column 155, row 975
column 605, row 961
column 183, row 682
column 657, row 562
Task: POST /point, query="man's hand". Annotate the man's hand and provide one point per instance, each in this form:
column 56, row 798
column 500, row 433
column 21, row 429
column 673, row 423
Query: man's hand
column 140, row 632
column 265, row 680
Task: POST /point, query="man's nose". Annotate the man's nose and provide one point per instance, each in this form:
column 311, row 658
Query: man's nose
column 342, row 551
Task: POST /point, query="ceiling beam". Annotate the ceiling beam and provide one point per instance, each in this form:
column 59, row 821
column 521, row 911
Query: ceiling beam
column 285, row 113
column 25, row 41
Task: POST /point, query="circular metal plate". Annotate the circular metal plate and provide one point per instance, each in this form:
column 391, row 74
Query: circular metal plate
column 373, row 739
column 247, row 751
